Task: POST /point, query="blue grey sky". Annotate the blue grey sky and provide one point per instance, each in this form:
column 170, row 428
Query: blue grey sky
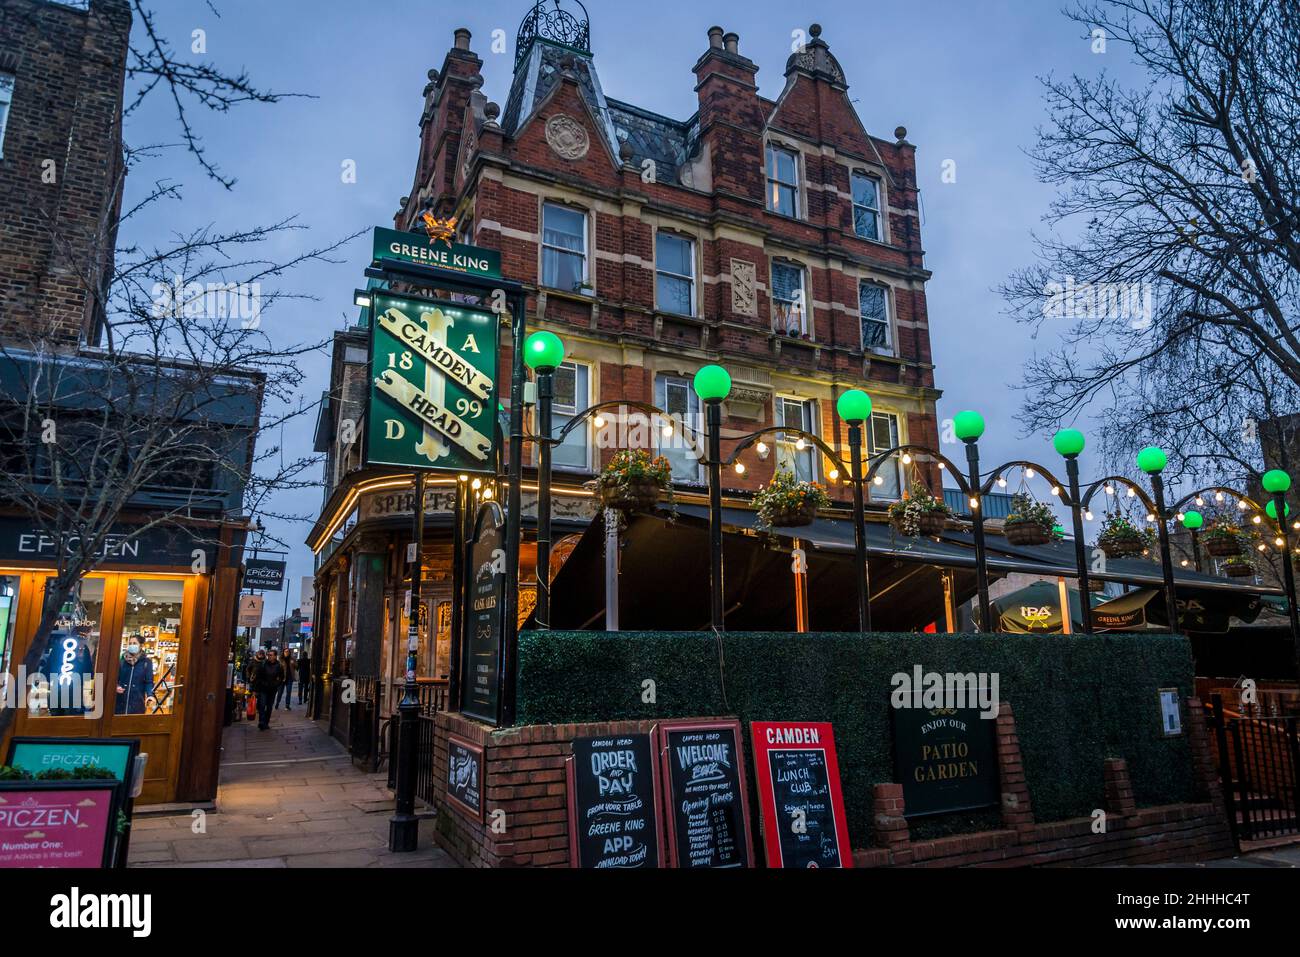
column 961, row 75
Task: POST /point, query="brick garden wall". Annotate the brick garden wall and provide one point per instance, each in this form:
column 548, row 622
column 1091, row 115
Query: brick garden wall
column 524, row 777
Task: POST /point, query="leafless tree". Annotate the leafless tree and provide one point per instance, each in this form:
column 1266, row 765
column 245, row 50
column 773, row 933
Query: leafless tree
column 1171, row 265
column 159, row 420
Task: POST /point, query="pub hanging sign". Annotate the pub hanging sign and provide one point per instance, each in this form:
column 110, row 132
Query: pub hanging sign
column 433, row 385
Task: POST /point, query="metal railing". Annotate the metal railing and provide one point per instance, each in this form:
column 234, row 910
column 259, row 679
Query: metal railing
column 1259, row 765
column 433, row 699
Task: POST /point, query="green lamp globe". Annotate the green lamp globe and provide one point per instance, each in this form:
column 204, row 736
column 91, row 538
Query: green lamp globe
column 1271, row 510
column 713, row 383
column 1068, row 442
column 968, row 426
column 543, row 351
column 1152, row 460
column 854, row 406
column 1193, row 520
column 1275, row 481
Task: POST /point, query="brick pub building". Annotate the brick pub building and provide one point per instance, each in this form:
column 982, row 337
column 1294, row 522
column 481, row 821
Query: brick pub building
column 62, row 74
column 775, row 237
column 778, row 238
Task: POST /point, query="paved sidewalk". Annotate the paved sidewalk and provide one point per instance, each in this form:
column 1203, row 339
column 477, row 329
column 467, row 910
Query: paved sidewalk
column 288, row 797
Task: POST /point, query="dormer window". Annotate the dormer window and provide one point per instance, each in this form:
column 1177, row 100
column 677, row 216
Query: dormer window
column 782, row 181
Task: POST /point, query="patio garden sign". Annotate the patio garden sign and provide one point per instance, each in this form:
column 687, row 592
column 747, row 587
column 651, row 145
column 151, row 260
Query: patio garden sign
column 433, row 386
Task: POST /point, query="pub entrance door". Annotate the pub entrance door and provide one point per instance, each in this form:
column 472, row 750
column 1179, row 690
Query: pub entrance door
column 130, row 632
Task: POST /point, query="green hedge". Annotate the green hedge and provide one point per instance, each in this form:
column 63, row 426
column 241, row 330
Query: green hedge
column 1078, row 699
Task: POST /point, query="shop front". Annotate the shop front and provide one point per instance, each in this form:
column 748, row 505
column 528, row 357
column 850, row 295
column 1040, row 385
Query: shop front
column 364, row 603
column 138, row 650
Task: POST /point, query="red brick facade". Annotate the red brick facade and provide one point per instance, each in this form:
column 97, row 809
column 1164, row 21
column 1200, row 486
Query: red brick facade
column 494, row 171
column 60, row 175
column 526, row 823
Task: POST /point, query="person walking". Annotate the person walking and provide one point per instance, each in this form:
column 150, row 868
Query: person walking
column 285, row 691
column 268, row 674
column 304, row 676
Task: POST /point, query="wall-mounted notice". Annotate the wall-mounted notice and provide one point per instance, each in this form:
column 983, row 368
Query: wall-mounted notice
column 613, row 811
column 708, row 810
column 465, row 777
column 799, row 794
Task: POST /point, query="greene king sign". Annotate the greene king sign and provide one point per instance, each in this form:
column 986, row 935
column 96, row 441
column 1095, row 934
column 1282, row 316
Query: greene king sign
column 433, row 385
column 419, row 249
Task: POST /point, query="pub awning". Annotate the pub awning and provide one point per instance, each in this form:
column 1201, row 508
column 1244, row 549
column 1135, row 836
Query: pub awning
column 1198, row 610
column 664, row 576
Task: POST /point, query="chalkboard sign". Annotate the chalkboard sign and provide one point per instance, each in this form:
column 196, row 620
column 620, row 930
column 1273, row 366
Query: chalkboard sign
column 486, row 583
column 946, row 760
column 465, row 777
column 799, row 795
column 58, row 823
column 708, row 808
column 613, row 811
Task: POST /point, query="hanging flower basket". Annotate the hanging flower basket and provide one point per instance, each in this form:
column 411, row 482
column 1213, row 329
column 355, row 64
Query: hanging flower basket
column 1096, row 584
column 1030, row 521
column 1223, row 538
column 1242, row 569
column 1223, row 548
column 633, row 481
column 639, row 496
column 785, row 502
column 919, row 514
column 1120, row 538
column 793, row 516
column 1027, row 533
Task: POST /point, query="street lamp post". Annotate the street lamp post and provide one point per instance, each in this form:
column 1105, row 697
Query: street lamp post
column 1152, row 460
column 969, row 426
column 854, row 407
column 1192, row 521
column 1069, row 443
column 712, row 385
column 544, row 352
column 404, row 826
column 1276, row 483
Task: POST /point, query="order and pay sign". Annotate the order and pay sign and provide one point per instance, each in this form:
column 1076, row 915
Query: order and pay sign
column 433, row 385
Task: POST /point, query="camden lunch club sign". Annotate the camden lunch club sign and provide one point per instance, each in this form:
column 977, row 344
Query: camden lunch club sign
column 804, row 825
column 433, row 385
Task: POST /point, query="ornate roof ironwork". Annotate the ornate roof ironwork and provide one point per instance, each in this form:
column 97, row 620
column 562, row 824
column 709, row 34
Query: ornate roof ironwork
column 553, row 20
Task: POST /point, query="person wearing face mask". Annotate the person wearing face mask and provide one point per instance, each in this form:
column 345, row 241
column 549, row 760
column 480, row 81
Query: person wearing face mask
column 134, row 680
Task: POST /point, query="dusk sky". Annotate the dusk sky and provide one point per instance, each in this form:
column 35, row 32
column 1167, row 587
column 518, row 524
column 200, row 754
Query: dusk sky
column 962, row 77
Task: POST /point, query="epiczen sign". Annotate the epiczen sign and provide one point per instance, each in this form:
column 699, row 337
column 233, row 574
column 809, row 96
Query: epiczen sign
column 799, row 795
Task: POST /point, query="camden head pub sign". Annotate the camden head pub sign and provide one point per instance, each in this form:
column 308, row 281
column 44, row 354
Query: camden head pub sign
column 433, row 385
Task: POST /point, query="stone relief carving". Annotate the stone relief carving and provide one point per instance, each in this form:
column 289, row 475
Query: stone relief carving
column 567, row 137
column 744, row 288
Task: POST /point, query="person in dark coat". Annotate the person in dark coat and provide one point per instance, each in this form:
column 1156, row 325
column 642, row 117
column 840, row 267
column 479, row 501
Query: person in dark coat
column 304, row 675
column 268, row 675
column 134, row 680
column 285, row 691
